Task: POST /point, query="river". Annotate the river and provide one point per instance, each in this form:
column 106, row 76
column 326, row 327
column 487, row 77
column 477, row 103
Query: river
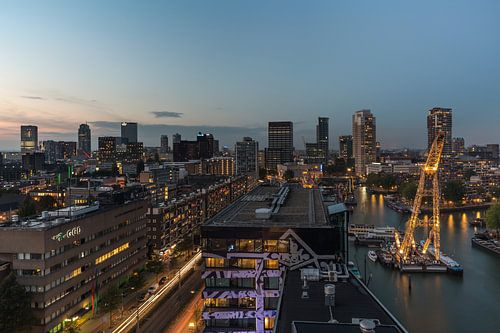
column 436, row 302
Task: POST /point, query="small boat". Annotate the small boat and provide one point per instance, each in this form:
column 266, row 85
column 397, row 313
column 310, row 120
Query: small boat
column 477, row 222
column 372, row 256
column 452, row 265
column 354, row 270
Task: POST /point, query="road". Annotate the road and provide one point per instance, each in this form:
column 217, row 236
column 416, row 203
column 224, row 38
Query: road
column 187, row 316
column 146, row 308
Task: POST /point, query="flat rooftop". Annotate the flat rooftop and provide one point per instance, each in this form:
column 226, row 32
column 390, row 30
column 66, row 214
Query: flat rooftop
column 290, row 206
column 353, row 302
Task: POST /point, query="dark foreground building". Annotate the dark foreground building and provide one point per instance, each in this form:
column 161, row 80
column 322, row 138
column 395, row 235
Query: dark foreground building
column 259, row 251
column 66, row 257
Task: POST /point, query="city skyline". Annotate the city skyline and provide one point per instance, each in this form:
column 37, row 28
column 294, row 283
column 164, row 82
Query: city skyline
column 178, row 68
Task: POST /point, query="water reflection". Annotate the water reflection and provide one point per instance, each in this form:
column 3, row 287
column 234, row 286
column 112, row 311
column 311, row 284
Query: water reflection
column 436, row 302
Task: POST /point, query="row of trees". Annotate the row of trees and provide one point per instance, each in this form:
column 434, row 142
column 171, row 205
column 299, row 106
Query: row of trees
column 382, row 180
column 30, row 207
column 453, row 191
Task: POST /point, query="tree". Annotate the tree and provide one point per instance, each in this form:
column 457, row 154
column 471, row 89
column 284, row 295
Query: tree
column 111, row 298
column 154, row 266
column 15, row 306
column 71, row 327
column 493, row 218
column 185, row 245
column 454, row 191
column 46, row 202
column 27, row 207
column 495, row 191
column 408, row 190
column 136, row 279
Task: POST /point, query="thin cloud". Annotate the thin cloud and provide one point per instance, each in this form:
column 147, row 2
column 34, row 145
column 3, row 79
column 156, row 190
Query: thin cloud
column 33, row 97
column 166, row 114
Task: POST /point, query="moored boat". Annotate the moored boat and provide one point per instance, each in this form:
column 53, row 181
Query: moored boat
column 372, row 256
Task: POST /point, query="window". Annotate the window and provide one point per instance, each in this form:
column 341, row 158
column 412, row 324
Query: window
column 271, row 264
column 246, row 263
column 270, row 245
column 283, row 246
column 243, row 283
column 271, row 303
column 271, row 283
column 217, row 283
column 246, row 302
column 215, row 262
column 269, row 323
column 217, row 302
column 246, row 245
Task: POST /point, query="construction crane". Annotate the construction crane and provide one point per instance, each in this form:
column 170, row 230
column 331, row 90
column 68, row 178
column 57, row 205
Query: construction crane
column 428, row 176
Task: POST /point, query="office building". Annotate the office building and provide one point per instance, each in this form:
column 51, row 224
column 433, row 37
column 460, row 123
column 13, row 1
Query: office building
column 345, row 147
column 29, row 138
column 246, row 152
column 280, row 144
column 205, row 145
column 58, row 150
column 164, row 148
column 129, row 132
column 133, row 154
column 185, row 150
column 364, row 140
column 176, row 138
column 440, row 120
column 458, row 146
column 322, row 137
column 314, row 154
column 219, row 166
column 251, row 246
column 84, row 140
column 107, row 152
column 65, row 257
column 33, row 162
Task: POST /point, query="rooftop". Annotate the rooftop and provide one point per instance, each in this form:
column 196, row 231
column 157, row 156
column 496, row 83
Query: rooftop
column 353, row 303
column 289, row 205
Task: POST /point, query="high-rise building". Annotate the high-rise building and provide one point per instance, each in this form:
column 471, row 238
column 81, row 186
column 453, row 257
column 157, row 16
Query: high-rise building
column 458, row 146
column 205, row 145
column 185, row 150
column 129, row 132
column 107, row 148
column 322, row 136
column 84, row 140
column 176, row 138
column 29, row 138
column 164, row 144
column 280, row 144
column 440, row 120
column 246, row 157
column 364, row 140
column 58, row 150
column 345, row 147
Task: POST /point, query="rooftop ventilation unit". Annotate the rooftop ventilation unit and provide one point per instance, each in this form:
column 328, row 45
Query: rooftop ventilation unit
column 367, row 326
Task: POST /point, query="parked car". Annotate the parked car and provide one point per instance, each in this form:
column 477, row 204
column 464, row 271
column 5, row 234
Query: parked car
column 153, row 289
column 163, row 280
column 143, row 297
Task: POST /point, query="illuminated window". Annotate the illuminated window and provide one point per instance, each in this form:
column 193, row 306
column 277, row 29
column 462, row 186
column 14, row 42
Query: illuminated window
column 269, row 323
column 108, row 255
column 271, row 264
column 214, row 262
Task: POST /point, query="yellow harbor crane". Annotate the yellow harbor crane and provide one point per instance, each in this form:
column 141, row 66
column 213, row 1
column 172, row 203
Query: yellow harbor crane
column 428, row 176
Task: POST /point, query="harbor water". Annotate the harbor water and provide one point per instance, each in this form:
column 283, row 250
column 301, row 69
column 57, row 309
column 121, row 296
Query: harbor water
column 440, row 302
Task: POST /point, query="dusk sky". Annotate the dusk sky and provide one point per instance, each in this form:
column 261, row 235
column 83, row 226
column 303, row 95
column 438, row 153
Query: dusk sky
column 229, row 67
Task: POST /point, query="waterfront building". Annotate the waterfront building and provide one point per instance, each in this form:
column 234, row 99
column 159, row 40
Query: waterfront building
column 84, row 140
column 29, row 138
column 129, row 132
column 246, row 152
column 65, row 257
column 280, row 144
column 364, row 140
column 251, row 246
column 345, row 147
column 440, row 120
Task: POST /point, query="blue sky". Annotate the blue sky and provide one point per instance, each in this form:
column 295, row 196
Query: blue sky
column 232, row 66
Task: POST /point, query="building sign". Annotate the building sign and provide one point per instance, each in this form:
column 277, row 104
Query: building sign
column 68, row 234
